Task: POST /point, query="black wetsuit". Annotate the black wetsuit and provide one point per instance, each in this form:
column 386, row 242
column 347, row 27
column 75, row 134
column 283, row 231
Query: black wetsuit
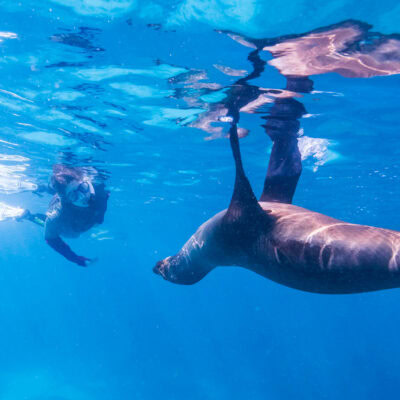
column 68, row 220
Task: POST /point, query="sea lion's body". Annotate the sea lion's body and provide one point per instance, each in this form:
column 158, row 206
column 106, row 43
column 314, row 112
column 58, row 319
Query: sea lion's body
column 317, row 253
column 290, row 245
column 301, row 249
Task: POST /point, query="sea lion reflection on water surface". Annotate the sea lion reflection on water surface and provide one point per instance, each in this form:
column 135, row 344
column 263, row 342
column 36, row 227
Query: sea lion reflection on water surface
column 290, row 245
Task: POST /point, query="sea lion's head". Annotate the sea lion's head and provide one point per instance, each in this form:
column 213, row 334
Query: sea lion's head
column 162, row 267
column 180, row 269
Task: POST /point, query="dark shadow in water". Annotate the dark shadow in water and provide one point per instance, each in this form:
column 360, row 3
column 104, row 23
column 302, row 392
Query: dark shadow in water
column 94, row 141
column 98, row 123
column 63, row 64
column 82, row 39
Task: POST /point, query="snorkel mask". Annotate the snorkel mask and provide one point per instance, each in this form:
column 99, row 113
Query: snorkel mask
column 79, row 193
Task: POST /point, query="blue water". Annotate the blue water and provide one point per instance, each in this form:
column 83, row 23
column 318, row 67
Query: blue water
column 106, row 84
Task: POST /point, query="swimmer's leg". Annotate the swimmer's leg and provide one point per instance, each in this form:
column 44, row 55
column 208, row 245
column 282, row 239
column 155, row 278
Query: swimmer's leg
column 38, row 218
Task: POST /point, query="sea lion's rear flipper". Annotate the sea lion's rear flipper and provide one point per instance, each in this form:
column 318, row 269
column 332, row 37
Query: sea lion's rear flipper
column 284, row 167
column 243, row 208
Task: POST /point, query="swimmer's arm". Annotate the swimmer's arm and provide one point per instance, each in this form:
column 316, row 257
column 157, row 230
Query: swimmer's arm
column 62, row 248
column 56, row 243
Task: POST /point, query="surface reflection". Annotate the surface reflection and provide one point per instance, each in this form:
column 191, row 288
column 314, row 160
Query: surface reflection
column 349, row 48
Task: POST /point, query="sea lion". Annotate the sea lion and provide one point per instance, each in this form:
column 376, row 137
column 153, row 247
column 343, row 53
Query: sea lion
column 290, row 245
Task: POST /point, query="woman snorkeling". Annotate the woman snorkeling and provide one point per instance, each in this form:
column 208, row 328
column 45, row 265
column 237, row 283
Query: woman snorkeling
column 77, row 205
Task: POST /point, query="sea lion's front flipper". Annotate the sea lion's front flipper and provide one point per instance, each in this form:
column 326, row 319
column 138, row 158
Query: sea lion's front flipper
column 282, row 127
column 243, row 208
column 284, row 171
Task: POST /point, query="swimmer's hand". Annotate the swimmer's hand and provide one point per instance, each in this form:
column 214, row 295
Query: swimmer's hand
column 84, row 261
column 61, row 247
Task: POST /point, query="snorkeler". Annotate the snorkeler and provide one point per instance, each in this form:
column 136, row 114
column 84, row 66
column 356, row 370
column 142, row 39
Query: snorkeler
column 77, row 205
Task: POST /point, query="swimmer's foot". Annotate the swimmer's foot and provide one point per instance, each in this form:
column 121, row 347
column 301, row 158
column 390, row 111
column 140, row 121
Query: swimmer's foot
column 25, row 215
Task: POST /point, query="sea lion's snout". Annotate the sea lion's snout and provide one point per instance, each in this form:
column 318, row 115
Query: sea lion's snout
column 160, row 267
column 156, row 268
column 180, row 270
